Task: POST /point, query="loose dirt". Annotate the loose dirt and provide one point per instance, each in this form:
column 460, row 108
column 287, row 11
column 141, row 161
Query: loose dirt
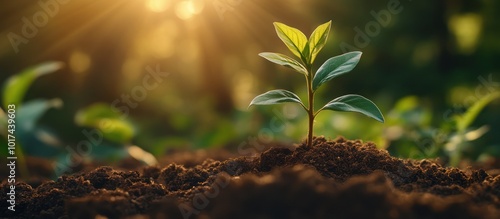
column 333, row 179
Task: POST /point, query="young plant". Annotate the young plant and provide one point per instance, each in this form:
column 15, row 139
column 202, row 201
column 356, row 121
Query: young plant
column 307, row 50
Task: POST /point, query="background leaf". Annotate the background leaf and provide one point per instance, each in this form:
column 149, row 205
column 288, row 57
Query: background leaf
column 470, row 115
column 16, row 86
column 293, row 38
column 106, row 151
column 284, row 60
column 37, row 139
column 28, row 116
column 275, row 97
column 142, row 155
column 355, row 103
column 108, row 121
column 318, row 39
column 335, row 67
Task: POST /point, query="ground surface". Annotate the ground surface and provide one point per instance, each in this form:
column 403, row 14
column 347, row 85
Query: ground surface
column 332, row 179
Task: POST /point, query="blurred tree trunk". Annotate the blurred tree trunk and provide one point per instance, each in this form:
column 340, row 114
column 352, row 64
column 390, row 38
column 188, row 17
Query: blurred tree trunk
column 214, row 82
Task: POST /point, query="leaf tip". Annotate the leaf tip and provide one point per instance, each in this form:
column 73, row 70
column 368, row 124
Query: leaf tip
column 49, row 67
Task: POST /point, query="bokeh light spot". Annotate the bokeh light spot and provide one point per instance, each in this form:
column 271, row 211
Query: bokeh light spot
column 157, row 5
column 79, row 62
column 187, row 9
column 467, row 29
column 158, row 42
column 243, row 91
column 425, row 53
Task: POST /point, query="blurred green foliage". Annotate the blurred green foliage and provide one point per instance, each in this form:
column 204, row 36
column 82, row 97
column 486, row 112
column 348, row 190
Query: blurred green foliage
column 19, row 123
column 410, row 133
column 33, row 139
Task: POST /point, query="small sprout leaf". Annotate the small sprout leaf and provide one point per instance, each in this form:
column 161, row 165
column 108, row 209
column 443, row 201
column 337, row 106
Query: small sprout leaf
column 293, row 38
column 276, row 97
column 318, row 39
column 335, row 67
column 284, row 60
column 355, row 103
column 17, row 85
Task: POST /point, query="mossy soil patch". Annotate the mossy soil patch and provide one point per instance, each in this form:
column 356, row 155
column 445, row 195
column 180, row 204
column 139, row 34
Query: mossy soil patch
column 333, row 179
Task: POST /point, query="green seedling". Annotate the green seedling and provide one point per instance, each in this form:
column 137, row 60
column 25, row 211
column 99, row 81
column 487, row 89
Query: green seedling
column 307, row 50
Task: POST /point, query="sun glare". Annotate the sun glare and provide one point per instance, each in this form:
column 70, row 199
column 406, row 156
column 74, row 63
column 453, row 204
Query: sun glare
column 187, row 9
column 157, row 5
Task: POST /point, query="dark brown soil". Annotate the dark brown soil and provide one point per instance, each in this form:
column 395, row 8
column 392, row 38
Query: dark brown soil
column 332, row 179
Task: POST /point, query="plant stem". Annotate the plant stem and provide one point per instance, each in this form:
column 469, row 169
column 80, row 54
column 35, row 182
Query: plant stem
column 310, row 110
column 311, row 120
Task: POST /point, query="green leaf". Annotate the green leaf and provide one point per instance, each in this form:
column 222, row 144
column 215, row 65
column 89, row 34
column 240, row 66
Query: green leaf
column 3, row 123
column 284, row 60
column 470, row 115
column 108, row 121
column 34, row 138
column 106, row 151
column 355, row 103
column 318, row 39
column 293, row 38
column 276, row 97
column 16, row 86
column 33, row 110
column 335, row 67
